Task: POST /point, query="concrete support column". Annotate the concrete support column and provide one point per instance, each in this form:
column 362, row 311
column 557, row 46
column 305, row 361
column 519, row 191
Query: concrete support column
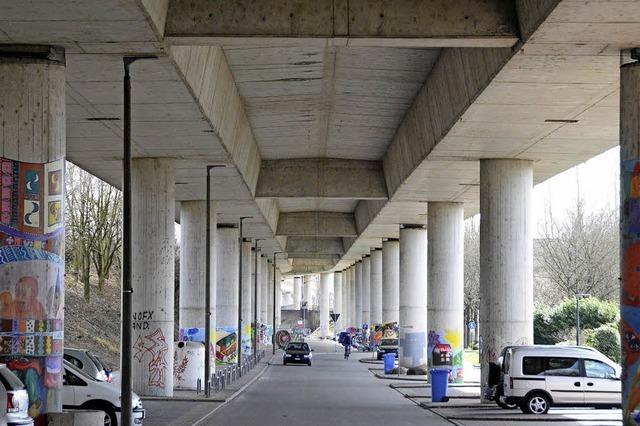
column 506, row 258
column 258, row 284
column 629, row 240
column 376, row 287
column 264, row 290
column 413, row 296
column 306, row 293
column 247, row 297
column 358, row 304
column 445, row 224
column 366, row 290
column 193, row 245
column 227, row 294
column 345, row 300
column 269, row 320
column 390, row 281
column 352, row 296
column 297, row 293
column 32, row 143
column 326, row 282
column 153, row 267
column 337, row 300
column 278, row 306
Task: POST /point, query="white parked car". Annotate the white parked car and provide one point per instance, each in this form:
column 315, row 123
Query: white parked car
column 538, row 377
column 17, row 403
column 89, row 363
column 79, row 390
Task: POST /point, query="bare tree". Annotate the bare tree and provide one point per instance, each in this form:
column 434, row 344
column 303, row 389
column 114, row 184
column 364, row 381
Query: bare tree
column 93, row 226
column 577, row 254
column 471, row 276
column 106, row 207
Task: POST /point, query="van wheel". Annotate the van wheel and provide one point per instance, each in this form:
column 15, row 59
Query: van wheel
column 536, row 403
column 110, row 418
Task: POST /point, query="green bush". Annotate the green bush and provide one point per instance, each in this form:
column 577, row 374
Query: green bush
column 558, row 324
column 606, row 339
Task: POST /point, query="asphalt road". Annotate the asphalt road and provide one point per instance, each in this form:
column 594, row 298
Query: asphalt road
column 333, row 391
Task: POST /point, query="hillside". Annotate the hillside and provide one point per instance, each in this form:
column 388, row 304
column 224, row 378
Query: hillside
column 93, row 325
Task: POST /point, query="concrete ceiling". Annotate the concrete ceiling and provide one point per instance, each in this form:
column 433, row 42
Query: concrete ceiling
column 533, row 80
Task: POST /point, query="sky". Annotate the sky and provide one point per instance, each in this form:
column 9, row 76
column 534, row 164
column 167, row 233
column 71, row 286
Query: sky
column 596, row 180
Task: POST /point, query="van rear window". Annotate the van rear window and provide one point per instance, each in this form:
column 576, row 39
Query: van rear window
column 550, row 366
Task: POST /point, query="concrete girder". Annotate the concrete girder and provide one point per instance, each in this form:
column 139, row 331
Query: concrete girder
column 301, row 246
column 398, row 23
column 322, row 178
column 317, row 224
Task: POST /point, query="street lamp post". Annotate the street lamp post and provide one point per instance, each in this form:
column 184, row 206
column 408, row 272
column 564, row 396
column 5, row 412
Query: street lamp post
column 255, row 297
column 207, row 289
column 578, row 297
column 239, row 341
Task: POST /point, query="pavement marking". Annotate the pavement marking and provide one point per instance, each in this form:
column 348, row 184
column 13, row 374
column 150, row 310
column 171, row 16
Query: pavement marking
column 235, row 394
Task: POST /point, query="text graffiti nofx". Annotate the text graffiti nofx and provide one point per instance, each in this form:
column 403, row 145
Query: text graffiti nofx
column 141, row 320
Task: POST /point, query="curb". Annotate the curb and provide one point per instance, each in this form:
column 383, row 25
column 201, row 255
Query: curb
column 181, row 399
column 236, row 393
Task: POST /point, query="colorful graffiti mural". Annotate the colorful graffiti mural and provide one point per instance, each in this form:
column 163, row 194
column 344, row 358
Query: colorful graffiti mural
column 32, row 285
column 452, row 338
column 226, row 345
column 247, row 339
column 266, row 330
column 630, row 291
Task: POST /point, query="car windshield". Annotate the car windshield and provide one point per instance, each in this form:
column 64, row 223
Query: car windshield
column 389, row 342
column 10, row 380
column 79, row 372
column 298, row 347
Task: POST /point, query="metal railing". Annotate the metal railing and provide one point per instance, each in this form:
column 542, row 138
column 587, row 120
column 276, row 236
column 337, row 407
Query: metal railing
column 225, row 376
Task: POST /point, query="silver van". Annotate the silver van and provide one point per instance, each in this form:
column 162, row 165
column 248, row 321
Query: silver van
column 538, row 377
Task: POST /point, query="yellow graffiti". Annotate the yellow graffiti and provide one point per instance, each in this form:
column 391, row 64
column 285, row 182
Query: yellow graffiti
column 454, row 337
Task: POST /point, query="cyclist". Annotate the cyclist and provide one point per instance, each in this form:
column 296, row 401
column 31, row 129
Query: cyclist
column 347, row 346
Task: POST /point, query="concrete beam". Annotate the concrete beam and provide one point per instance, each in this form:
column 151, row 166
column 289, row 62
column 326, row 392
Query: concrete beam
column 322, row 178
column 304, row 247
column 317, row 224
column 399, row 23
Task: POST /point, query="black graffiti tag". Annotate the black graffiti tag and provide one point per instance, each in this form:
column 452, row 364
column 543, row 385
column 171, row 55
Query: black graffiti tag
column 141, row 320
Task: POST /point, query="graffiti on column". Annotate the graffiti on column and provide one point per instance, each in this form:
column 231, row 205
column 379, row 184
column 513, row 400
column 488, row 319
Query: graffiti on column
column 156, row 346
column 247, row 339
column 453, row 338
column 32, row 285
column 630, row 292
column 226, row 345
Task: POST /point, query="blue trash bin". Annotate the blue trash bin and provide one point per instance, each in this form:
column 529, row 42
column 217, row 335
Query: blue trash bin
column 439, row 384
column 389, row 363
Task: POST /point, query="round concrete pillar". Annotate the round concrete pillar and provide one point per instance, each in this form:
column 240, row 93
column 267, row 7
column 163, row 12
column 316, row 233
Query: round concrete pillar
column 247, row 298
column 278, row 306
column 326, row 282
column 445, row 224
column 297, row 293
column 269, row 298
column 153, row 267
column 353, row 291
column 258, row 291
column 366, row 290
column 264, row 290
column 413, row 296
column 629, row 236
column 390, row 281
column 506, row 258
column 337, row 300
column 227, row 294
column 32, row 168
column 376, row 287
column 358, row 304
column 193, row 240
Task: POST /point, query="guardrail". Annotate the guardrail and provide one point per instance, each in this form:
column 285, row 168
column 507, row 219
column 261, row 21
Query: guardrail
column 225, row 376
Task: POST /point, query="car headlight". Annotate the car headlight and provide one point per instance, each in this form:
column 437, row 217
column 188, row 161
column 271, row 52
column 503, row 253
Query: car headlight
column 310, row 355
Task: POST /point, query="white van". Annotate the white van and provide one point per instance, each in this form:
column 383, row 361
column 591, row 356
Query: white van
column 538, row 377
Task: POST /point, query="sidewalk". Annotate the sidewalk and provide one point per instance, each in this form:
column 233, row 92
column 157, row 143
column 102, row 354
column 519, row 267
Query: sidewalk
column 188, row 408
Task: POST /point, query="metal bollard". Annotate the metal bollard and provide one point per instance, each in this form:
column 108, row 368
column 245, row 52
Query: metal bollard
column 198, row 386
